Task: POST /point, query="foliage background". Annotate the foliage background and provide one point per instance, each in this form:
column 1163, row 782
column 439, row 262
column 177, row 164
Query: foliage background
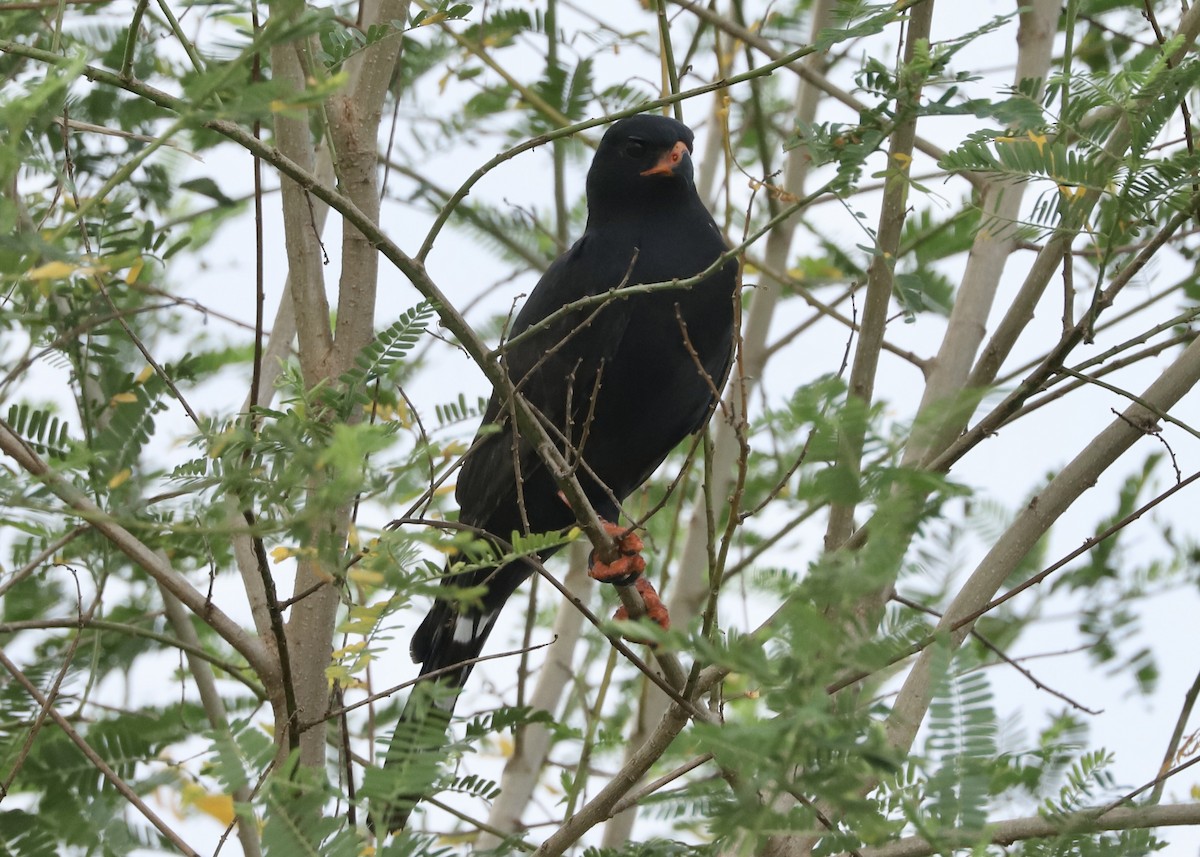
column 992, row 748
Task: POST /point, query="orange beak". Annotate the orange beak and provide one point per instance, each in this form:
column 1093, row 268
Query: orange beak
column 667, row 163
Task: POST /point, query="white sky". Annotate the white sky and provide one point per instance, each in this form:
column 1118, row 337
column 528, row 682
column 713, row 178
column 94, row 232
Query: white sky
column 1005, row 469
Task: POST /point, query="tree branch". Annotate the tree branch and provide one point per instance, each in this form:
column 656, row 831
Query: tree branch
column 601, row 806
column 92, row 756
column 880, row 274
column 990, row 250
column 246, row 645
column 1038, row 827
column 1079, row 475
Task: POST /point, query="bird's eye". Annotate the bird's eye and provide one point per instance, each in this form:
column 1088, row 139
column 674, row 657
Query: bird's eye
column 635, row 148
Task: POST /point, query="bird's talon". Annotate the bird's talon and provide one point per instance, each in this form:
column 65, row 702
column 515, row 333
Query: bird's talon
column 628, row 565
column 656, row 611
column 622, row 571
column 628, row 541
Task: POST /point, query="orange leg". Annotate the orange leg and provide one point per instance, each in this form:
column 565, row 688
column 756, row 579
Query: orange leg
column 627, row 569
column 655, row 609
column 629, row 563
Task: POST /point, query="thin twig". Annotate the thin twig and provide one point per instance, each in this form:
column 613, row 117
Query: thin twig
column 42, row 556
column 1185, row 712
column 92, row 756
column 650, row 788
column 384, row 694
column 233, row 670
column 246, row 645
column 998, row 652
column 1088, row 544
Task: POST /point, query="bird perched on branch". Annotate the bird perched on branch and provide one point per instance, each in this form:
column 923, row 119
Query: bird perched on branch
column 617, row 384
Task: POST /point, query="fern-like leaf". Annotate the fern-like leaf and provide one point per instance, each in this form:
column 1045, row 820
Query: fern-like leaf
column 962, row 740
column 383, row 355
column 41, row 429
column 459, row 411
column 389, row 346
column 130, row 428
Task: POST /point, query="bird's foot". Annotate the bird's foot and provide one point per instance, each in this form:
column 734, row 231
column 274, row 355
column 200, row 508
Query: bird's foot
column 627, row 569
column 655, row 609
column 628, row 565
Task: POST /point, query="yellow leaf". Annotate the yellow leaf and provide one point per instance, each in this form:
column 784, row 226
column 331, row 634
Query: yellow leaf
column 435, row 18
column 120, row 479
column 124, row 399
column 219, row 807
column 352, row 649
column 282, row 552
column 144, row 375
column 219, row 445
column 373, row 611
column 134, row 270
column 904, row 160
column 360, row 620
column 52, row 271
column 464, row 838
column 364, row 576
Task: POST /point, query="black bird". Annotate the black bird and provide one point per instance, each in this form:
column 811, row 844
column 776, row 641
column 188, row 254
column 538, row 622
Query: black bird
column 618, row 385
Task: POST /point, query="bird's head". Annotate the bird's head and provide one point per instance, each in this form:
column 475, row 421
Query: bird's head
column 643, row 160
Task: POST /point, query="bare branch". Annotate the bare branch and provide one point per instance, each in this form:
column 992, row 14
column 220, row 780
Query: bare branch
column 1075, row 478
column 1041, row 827
column 92, row 756
column 247, row 646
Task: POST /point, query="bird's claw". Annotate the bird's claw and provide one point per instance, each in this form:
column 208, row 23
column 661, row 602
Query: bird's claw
column 628, row 565
column 627, row 569
column 655, row 609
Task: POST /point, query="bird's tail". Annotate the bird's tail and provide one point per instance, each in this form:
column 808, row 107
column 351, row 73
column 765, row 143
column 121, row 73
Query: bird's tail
column 449, row 639
column 444, row 644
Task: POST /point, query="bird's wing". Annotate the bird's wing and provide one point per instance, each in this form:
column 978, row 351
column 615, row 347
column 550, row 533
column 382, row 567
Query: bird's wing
column 498, row 461
column 575, row 346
